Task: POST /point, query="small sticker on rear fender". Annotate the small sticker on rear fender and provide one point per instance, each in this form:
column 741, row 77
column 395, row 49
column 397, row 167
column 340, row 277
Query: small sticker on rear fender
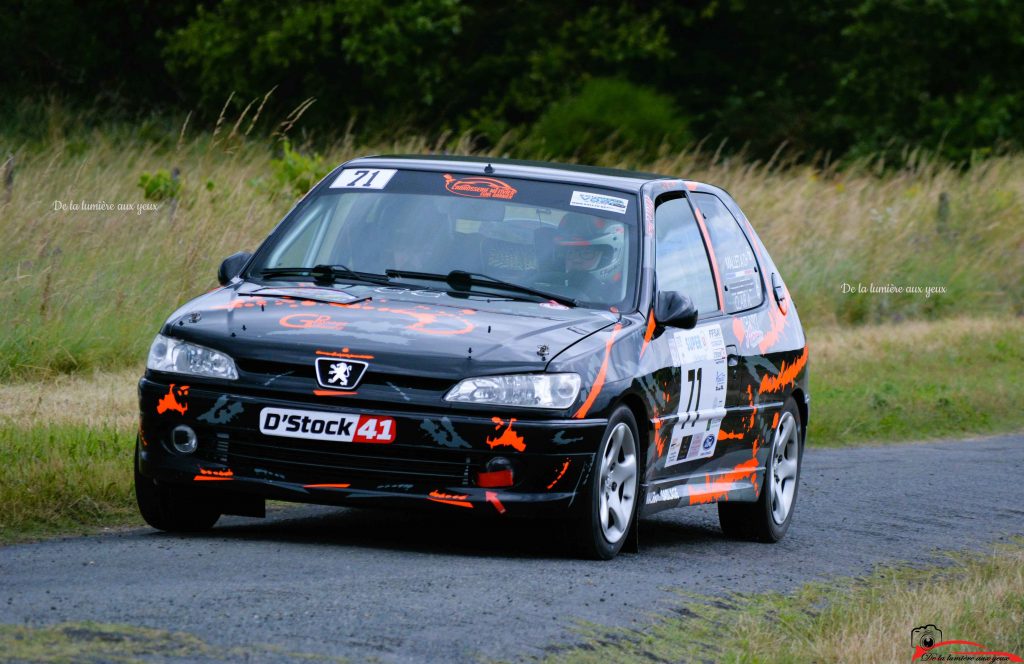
column 318, row 425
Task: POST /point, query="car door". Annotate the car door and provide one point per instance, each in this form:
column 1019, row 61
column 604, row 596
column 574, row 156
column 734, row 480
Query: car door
column 693, row 365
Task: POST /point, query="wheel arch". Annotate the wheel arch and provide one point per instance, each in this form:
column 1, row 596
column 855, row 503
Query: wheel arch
column 801, row 407
column 635, row 403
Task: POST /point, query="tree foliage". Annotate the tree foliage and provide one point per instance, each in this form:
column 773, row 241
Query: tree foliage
column 845, row 76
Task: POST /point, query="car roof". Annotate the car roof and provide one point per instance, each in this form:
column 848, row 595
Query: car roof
column 609, row 178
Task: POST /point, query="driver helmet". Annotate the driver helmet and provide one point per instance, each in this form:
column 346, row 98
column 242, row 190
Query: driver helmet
column 592, row 244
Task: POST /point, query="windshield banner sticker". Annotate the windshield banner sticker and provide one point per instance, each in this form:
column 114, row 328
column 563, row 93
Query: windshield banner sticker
column 599, row 202
column 363, row 178
column 479, row 187
column 701, row 355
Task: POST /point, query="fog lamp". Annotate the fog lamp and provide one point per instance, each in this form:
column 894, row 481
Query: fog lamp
column 184, row 440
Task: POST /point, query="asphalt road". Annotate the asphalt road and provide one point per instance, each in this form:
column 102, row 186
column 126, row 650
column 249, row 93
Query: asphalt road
column 409, row 588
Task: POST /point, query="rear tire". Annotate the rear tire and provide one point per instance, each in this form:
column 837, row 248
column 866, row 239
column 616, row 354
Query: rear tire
column 768, row 519
column 173, row 508
column 609, row 502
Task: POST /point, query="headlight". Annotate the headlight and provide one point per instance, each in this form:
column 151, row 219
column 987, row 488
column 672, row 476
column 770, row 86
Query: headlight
column 175, row 356
column 526, row 390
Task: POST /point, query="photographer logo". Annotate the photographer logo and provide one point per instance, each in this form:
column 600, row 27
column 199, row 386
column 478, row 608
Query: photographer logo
column 928, row 646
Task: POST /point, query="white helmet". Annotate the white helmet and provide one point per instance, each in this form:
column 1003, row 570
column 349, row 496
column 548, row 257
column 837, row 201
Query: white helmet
column 580, row 230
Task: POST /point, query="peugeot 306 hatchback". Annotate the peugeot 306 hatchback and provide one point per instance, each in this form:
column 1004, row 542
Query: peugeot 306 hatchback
column 487, row 337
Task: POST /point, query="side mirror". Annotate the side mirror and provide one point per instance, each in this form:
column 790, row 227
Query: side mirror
column 675, row 309
column 231, row 266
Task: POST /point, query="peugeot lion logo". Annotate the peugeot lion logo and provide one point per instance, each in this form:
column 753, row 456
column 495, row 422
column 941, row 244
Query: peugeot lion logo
column 339, row 374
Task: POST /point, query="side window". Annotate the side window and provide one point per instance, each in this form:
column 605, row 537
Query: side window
column 741, row 282
column 680, row 259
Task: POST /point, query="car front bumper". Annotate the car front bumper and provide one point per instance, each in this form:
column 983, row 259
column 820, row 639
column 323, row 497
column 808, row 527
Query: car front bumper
column 435, row 459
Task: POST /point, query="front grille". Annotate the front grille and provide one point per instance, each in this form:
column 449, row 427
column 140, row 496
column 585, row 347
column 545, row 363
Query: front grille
column 402, row 381
column 315, row 461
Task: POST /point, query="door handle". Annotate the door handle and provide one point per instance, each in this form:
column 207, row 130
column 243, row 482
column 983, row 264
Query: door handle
column 732, row 355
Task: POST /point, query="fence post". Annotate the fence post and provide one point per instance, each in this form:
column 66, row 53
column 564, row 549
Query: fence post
column 175, row 175
column 942, row 216
column 8, row 178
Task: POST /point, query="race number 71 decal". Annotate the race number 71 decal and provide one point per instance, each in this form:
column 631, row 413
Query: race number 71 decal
column 363, row 178
column 700, row 354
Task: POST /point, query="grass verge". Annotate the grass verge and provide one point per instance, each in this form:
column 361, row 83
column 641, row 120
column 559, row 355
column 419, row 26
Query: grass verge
column 65, row 452
column 975, row 597
column 913, row 381
column 98, row 642
column 63, row 479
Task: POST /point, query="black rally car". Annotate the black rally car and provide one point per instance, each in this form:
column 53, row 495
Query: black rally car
column 486, row 336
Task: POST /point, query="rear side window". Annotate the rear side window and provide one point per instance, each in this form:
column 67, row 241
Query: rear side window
column 741, row 281
column 680, row 259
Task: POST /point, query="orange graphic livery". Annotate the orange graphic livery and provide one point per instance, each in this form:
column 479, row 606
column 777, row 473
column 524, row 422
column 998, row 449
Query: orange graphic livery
column 311, row 321
column 508, row 437
column 492, row 498
column 459, row 500
column 561, row 473
column 205, row 474
column 170, row 401
column 599, row 381
column 787, row 375
column 649, row 332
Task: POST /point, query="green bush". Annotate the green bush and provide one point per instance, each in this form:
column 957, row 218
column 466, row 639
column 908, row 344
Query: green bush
column 159, row 186
column 608, row 114
column 296, row 173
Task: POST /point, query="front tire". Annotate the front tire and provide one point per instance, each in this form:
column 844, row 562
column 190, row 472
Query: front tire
column 768, row 519
column 610, row 499
column 172, row 508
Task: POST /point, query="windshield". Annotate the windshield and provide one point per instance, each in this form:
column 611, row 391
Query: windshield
column 574, row 241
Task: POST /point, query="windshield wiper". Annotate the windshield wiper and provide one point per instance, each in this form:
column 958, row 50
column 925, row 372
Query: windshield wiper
column 325, row 274
column 464, row 281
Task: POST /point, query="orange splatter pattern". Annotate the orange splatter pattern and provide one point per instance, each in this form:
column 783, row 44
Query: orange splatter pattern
column 170, row 401
column 787, row 375
column 508, row 437
column 561, row 473
column 718, row 489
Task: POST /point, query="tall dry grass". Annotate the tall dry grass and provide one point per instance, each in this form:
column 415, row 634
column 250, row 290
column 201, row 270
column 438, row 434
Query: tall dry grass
column 88, row 289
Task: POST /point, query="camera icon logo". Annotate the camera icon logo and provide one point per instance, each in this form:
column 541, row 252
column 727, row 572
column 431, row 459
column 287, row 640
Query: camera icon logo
column 925, row 636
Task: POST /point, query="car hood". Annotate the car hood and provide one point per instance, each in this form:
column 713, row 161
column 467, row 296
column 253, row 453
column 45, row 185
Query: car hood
column 425, row 333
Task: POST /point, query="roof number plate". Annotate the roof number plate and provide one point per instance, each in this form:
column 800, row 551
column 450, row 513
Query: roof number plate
column 363, row 178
